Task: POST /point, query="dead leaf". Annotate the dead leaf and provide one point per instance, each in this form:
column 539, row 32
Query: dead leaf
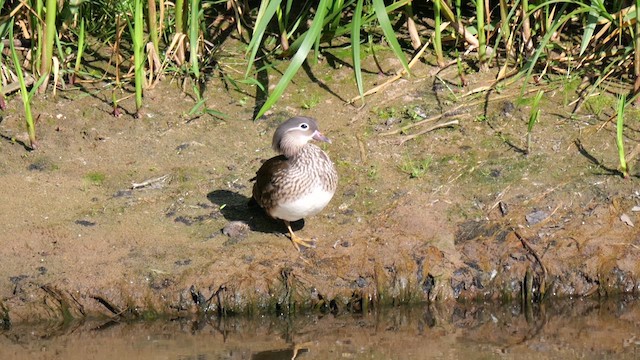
column 626, row 219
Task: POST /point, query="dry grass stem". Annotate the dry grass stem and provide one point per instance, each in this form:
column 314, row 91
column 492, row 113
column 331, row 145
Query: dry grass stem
column 399, row 74
column 435, row 127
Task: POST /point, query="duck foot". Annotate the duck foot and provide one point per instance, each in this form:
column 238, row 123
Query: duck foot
column 298, row 241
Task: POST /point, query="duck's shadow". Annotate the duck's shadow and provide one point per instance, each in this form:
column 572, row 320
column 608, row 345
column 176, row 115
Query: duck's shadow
column 237, row 207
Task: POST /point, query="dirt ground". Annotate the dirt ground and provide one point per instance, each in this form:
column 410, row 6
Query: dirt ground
column 140, row 217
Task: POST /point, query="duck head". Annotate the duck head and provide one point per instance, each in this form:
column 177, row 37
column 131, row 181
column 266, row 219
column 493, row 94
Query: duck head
column 293, row 134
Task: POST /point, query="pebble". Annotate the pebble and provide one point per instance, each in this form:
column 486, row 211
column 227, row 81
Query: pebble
column 236, row 229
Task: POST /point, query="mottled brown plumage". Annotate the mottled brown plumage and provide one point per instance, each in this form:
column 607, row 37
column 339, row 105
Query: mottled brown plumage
column 300, row 181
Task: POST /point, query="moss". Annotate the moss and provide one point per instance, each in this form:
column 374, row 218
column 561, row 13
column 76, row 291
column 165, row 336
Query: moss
column 95, row 178
column 597, row 104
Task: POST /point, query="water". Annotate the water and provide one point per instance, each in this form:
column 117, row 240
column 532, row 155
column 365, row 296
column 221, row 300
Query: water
column 575, row 329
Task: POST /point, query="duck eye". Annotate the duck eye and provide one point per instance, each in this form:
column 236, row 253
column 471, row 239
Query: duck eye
column 304, row 126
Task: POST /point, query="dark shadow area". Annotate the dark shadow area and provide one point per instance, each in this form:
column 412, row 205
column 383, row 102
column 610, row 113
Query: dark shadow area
column 103, row 95
column 13, row 140
column 237, row 207
column 511, row 145
column 442, row 86
column 594, row 161
column 485, row 112
column 261, row 93
column 315, row 80
column 336, row 63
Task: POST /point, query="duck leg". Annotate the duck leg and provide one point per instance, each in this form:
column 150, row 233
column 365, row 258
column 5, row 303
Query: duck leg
column 298, row 241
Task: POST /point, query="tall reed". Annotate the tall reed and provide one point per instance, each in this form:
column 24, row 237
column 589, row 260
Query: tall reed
column 298, row 58
column 26, row 96
column 482, row 39
column 180, row 28
column 619, row 136
column 356, row 22
column 152, row 23
column 81, row 46
column 138, row 54
column 47, row 50
column 194, row 35
column 437, row 34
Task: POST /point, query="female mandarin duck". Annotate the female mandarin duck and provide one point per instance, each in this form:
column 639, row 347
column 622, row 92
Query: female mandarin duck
column 300, row 181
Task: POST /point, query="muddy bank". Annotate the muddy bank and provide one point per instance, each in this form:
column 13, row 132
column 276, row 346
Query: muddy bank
column 124, row 217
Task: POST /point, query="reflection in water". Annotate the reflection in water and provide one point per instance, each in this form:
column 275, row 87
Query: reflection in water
column 560, row 330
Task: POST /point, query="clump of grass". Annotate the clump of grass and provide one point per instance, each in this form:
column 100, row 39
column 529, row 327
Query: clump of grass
column 597, row 104
column 95, row 178
column 386, row 113
column 310, row 102
column 620, row 138
column 416, row 168
column 372, row 172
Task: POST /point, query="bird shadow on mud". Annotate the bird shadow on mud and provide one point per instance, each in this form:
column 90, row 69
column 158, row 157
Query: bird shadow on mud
column 237, row 207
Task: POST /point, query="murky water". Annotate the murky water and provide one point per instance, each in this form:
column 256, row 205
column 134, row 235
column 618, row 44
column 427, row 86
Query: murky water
column 584, row 329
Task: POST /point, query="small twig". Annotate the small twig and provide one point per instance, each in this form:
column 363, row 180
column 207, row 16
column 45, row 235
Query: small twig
column 529, row 248
column 499, row 197
column 150, row 182
column 438, row 126
column 591, row 291
column 634, row 246
column 430, row 119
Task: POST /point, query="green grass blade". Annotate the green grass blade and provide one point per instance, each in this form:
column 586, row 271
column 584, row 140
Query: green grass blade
column 619, row 137
column 216, row 113
column 197, row 106
column 36, row 86
column 26, row 99
column 298, row 58
column 389, row 33
column 265, row 14
column 356, row 25
column 535, row 112
column 592, row 21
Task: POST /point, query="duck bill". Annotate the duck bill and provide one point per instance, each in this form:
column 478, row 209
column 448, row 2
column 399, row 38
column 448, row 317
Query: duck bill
column 317, row 135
